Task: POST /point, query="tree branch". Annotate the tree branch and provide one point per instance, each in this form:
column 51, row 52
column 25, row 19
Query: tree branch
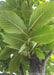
column 44, row 61
column 48, row 56
column 21, row 70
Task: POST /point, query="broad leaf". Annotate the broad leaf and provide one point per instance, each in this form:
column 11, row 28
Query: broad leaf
column 32, row 45
column 9, row 4
column 14, row 64
column 43, row 35
column 46, row 48
column 5, row 54
column 16, row 61
column 11, row 23
column 39, row 54
column 41, row 15
column 23, row 47
column 26, row 12
column 14, row 40
column 49, row 46
column 12, row 3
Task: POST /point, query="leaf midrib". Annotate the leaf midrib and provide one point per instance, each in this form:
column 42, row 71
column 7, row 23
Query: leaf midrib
column 37, row 19
column 17, row 39
column 16, row 26
column 41, row 35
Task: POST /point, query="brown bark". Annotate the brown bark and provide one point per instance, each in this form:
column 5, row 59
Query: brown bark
column 37, row 67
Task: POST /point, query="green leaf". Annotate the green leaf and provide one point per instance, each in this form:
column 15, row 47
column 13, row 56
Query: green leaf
column 51, row 45
column 12, row 3
column 5, row 54
column 16, row 61
column 14, row 64
column 46, row 48
column 53, row 19
column 9, row 4
column 41, row 15
column 39, row 54
column 32, row 45
column 26, row 12
column 23, row 47
column 43, row 35
column 14, row 40
column 11, row 23
column 26, row 69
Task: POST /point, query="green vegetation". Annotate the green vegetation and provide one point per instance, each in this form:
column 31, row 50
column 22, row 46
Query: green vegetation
column 26, row 36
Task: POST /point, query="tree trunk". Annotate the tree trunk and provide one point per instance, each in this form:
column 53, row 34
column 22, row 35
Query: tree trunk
column 37, row 67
